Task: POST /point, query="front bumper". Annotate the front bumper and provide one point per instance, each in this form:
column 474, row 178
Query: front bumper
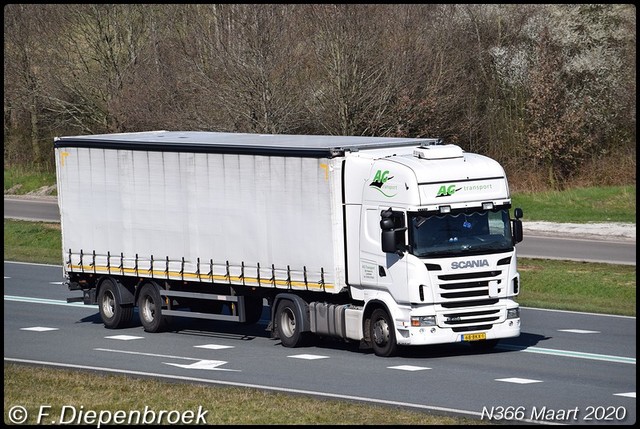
column 424, row 335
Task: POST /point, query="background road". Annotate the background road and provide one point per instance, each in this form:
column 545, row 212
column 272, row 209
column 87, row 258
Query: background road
column 562, row 361
column 34, row 209
column 550, row 242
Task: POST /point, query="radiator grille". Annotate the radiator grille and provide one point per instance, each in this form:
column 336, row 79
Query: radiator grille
column 465, row 302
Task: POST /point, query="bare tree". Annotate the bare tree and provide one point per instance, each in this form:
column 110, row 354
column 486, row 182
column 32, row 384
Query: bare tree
column 96, row 61
column 349, row 87
column 23, row 74
column 432, row 86
column 245, row 67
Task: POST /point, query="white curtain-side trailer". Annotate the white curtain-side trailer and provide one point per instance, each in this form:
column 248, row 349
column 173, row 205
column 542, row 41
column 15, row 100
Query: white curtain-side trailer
column 386, row 241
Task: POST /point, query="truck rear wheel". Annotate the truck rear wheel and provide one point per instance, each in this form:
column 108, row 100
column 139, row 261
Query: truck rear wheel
column 382, row 334
column 287, row 324
column 114, row 314
column 150, row 308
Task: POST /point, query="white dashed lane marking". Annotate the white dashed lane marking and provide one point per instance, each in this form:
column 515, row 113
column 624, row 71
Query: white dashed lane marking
column 308, row 357
column 578, row 331
column 39, row 329
column 518, row 380
column 213, row 346
column 408, row 367
column 124, row 337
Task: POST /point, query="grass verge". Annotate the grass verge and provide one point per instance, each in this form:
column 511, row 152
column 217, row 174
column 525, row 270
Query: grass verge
column 578, row 286
column 28, row 179
column 33, row 387
column 37, row 242
column 579, row 205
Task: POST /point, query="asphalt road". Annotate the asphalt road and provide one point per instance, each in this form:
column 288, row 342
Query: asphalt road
column 534, row 246
column 565, row 367
column 34, row 209
column 577, row 249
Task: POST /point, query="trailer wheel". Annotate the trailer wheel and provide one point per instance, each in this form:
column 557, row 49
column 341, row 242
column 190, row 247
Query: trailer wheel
column 287, row 324
column 382, row 334
column 114, row 314
column 150, row 308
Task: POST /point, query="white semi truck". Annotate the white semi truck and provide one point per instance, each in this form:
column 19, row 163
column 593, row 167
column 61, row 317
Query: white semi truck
column 386, row 241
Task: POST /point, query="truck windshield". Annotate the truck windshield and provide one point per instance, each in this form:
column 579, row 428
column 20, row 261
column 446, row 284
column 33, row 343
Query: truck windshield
column 461, row 233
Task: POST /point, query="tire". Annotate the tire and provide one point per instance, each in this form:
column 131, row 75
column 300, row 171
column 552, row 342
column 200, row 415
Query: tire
column 114, row 314
column 288, row 325
column 252, row 309
column 382, row 334
column 150, row 309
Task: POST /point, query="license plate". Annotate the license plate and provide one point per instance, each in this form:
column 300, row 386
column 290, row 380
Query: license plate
column 474, row 337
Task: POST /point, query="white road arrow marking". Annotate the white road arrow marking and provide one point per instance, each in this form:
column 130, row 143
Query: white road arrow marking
column 203, row 364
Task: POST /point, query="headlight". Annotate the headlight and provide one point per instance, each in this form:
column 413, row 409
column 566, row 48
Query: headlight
column 513, row 313
column 423, row 321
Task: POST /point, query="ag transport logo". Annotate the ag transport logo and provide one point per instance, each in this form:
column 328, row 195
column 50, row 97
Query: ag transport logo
column 381, row 183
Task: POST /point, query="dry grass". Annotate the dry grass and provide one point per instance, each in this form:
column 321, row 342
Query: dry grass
column 613, row 169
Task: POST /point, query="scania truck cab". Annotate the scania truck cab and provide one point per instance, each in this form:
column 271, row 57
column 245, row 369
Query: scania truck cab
column 436, row 246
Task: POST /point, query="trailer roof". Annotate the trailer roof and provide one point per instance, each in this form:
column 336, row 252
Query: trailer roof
column 315, row 146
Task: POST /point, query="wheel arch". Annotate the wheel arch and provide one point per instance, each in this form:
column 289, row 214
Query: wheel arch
column 369, row 308
column 138, row 287
column 302, row 310
column 126, row 294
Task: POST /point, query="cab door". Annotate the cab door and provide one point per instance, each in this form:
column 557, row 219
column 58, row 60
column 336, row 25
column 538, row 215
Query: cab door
column 379, row 270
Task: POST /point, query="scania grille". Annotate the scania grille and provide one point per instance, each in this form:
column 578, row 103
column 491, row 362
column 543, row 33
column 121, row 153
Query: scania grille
column 468, row 289
column 465, row 304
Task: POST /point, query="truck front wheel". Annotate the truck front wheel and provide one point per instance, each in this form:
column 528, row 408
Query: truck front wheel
column 382, row 334
column 150, row 308
column 287, row 324
column 114, row 314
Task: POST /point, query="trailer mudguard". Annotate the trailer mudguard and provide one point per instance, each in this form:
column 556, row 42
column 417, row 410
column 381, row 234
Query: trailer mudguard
column 302, row 309
column 125, row 296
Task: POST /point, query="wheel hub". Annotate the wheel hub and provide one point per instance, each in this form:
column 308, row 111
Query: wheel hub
column 108, row 305
column 380, row 332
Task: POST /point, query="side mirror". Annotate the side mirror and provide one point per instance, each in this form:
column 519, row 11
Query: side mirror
column 517, row 226
column 392, row 226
